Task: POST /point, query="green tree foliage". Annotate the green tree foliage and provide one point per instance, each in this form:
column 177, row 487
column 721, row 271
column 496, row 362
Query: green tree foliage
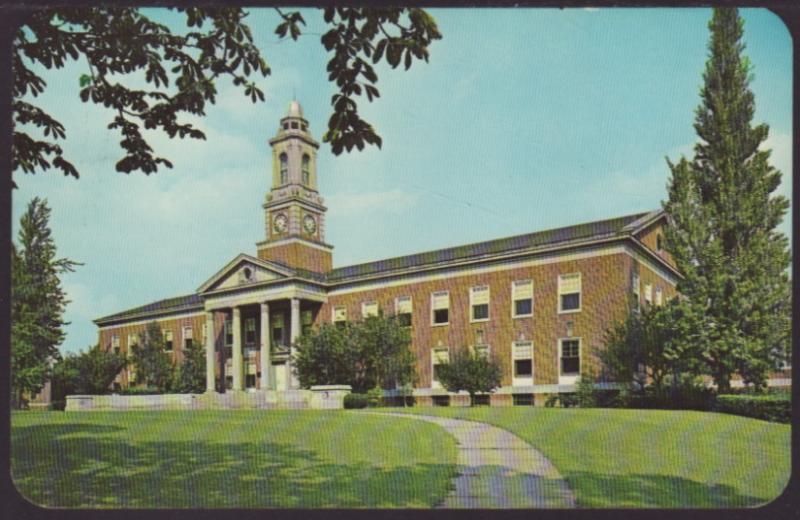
column 723, row 217
column 190, row 375
column 153, row 364
column 470, row 371
column 37, row 302
column 90, row 372
column 650, row 346
column 182, row 71
column 367, row 354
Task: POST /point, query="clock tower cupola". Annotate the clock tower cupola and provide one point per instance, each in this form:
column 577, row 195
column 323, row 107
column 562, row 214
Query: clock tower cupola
column 294, row 211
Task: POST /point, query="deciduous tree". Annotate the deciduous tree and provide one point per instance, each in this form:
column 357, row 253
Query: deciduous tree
column 470, row 371
column 182, row 71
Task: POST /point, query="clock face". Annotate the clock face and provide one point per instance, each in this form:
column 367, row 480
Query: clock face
column 280, row 223
column 309, row 224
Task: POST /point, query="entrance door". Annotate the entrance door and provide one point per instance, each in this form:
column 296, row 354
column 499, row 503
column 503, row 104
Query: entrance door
column 280, row 376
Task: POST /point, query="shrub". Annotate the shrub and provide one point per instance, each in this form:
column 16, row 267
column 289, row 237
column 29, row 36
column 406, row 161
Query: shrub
column 375, row 397
column 353, row 401
column 775, row 408
column 137, row 390
column 565, row 400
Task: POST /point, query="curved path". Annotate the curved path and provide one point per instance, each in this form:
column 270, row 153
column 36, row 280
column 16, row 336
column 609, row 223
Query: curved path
column 497, row 469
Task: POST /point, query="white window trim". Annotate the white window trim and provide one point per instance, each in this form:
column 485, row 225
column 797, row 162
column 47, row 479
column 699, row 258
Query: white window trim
column 472, row 308
column 433, row 311
column 522, row 381
column 333, row 313
column 434, row 383
column 648, row 293
column 482, row 345
column 397, row 306
column 364, row 308
column 636, row 288
column 570, row 379
column 580, row 294
column 659, row 296
column 514, row 302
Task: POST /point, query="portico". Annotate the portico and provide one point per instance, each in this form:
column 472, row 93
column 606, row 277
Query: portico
column 254, row 312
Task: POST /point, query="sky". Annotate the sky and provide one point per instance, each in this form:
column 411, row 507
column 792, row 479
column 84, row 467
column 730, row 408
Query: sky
column 523, row 120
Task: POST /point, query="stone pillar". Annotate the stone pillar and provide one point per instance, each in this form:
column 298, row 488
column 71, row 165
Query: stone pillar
column 265, row 346
column 294, row 333
column 210, row 379
column 238, row 368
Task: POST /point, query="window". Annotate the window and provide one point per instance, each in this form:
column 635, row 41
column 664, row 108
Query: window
column 569, row 292
column 339, row 315
column 187, row 337
column 168, row 340
column 369, row 309
column 115, row 344
column 402, row 307
column 285, row 126
column 440, row 308
column 304, row 127
column 439, row 356
column 249, row 331
column 441, row 400
column 284, row 168
column 522, row 355
column 522, row 399
column 522, row 298
column 659, row 243
column 481, row 350
column 648, row 293
column 133, row 339
column 227, row 329
column 306, row 321
column 250, row 381
column 277, row 329
column 570, row 357
column 659, row 296
column 635, row 288
column 295, row 126
column 479, row 303
column 306, row 171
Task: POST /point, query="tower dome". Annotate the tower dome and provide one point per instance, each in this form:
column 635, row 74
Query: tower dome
column 295, row 110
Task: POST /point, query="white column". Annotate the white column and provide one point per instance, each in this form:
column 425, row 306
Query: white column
column 294, row 333
column 237, row 349
column 210, row 361
column 265, row 347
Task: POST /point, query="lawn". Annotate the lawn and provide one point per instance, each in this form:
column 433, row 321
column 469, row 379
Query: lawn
column 233, row 458
column 651, row 458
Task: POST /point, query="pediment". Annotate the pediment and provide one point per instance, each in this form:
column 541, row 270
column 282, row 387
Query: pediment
column 242, row 271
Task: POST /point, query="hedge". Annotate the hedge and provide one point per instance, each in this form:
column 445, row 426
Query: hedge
column 771, row 407
column 355, row 401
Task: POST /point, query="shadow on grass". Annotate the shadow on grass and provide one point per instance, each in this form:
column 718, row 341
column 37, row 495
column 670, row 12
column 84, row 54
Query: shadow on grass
column 658, row 491
column 89, row 465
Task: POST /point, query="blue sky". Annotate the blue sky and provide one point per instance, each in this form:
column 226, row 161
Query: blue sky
column 524, row 119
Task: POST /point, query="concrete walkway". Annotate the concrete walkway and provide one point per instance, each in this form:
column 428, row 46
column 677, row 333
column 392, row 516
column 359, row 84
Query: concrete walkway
column 497, row 469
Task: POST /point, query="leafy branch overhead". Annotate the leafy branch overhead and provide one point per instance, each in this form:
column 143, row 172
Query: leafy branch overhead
column 120, row 45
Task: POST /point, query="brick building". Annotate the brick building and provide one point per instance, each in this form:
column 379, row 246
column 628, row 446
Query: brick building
column 541, row 302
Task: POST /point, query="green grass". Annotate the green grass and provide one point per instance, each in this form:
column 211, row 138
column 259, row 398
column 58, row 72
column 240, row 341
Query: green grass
column 651, row 458
column 230, row 458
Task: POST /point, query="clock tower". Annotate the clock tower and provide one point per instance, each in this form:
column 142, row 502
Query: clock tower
column 293, row 209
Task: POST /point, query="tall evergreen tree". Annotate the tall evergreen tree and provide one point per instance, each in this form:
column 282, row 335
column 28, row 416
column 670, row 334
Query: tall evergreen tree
column 153, row 364
column 190, row 376
column 723, row 219
column 37, row 302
